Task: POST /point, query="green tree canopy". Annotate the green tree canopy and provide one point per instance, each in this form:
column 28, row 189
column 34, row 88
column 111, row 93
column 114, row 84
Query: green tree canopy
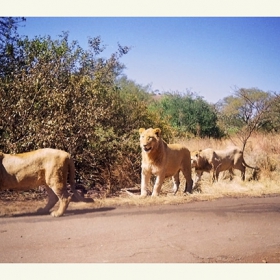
column 188, row 113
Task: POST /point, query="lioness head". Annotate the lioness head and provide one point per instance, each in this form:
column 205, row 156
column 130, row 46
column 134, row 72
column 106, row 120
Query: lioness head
column 195, row 156
column 149, row 138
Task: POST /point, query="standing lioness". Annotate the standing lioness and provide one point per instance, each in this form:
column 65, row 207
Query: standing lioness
column 49, row 167
column 163, row 160
column 208, row 160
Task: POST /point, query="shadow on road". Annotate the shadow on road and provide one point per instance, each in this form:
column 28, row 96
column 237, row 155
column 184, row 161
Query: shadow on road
column 68, row 213
column 85, row 211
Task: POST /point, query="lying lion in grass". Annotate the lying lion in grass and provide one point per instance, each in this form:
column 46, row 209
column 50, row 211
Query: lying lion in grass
column 163, row 160
column 49, row 167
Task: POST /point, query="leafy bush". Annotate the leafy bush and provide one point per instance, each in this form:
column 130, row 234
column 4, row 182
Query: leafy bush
column 61, row 96
column 189, row 114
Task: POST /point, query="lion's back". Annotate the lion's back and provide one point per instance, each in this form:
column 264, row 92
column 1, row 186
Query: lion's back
column 177, row 152
column 31, row 169
column 177, row 157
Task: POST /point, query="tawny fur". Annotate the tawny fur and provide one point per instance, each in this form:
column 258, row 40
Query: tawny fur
column 163, row 160
column 48, row 167
column 216, row 161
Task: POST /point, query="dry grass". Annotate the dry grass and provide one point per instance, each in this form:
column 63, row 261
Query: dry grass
column 262, row 151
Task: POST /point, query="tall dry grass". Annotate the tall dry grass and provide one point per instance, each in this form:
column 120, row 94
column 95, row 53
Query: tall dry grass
column 262, row 151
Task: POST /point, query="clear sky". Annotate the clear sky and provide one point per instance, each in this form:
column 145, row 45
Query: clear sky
column 210, row 56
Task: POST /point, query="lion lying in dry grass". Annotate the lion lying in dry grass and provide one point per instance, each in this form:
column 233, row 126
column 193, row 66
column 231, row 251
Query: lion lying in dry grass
column 49, row 167
column 208, row 160
column 163, row 160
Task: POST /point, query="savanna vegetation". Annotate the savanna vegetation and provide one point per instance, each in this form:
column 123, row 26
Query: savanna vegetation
column 56, row 94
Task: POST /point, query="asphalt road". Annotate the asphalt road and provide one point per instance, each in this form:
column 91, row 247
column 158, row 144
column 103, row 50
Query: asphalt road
column 224, row 231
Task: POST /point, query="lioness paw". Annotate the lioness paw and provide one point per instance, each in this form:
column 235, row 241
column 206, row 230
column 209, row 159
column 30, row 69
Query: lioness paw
column 56, row 214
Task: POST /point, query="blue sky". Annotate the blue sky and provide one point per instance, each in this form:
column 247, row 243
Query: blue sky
column 210, row 56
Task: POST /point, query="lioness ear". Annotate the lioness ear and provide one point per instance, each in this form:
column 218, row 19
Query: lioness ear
column 157, row 132
column 141, row 130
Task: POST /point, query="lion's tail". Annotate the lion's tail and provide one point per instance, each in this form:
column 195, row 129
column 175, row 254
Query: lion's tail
column 245, row 164
column 71, row 169
column 256, row 171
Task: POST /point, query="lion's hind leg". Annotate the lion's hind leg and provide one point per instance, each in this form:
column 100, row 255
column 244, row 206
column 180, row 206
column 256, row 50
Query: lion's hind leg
column 242, row 169
column 64, row 200
column 52, row 200
column 188, row 186
column 189, row 182
column 176, row 182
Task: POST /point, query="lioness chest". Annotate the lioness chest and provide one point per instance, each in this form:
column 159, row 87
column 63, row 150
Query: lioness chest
column 165, row 169
column 169, row 164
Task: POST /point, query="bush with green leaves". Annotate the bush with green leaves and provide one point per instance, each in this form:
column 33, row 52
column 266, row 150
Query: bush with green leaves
column 188, row 114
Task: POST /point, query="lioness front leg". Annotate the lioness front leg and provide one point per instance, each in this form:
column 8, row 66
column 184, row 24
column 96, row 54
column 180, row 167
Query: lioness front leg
column 216, row 175
column 197, row 178
column 216, row 172
column 145, row 181
column 158, row 184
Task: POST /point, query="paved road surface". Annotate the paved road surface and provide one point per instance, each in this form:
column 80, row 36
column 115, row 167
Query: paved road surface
column 224, row 230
